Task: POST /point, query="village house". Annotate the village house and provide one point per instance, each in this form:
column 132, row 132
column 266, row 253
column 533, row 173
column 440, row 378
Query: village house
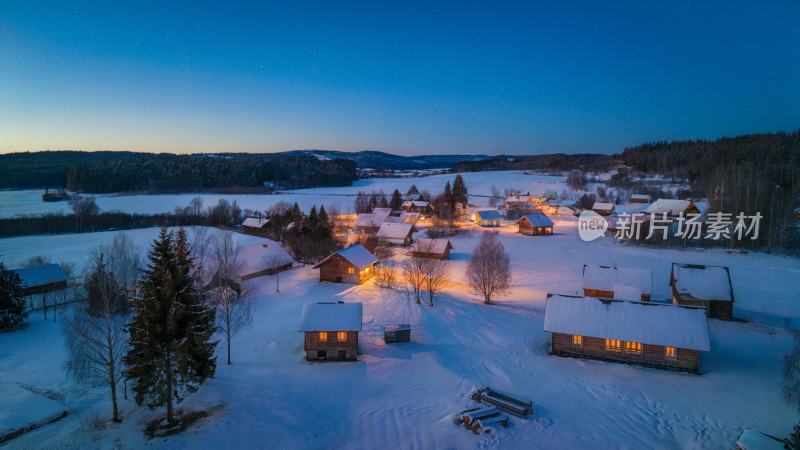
column 535, row 224
column 649, row 334
column 487, row 217
column 404, row 217
column 640, row 198
column 395, row 233
column 417, row 206
column 621, row 283
column 370, row 223
column 354, row 264
column 41, row 279
column 432, row 248
column 672, row 207
column 255, row 224
column 517, row 200
column 256, row 260
column 602, row 208
column 709, row 287
column 331, row 331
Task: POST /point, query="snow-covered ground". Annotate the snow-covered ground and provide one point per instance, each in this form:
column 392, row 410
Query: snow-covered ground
column 22, row 202
column 404, row 396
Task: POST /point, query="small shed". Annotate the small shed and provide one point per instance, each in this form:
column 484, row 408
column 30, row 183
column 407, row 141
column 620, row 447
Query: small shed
column 331, row 331
column 265, row 258
column 395, row 233
column 622, row 283
column 432, row 248
column 397, row 333
column 603, row 208
column 709, row 287
column 255, row 223
column 43, row 278
column 354, row 264
column 487, row 217
column 672, row 207
column 650, row 334
column 535, row 224
column 641, row 198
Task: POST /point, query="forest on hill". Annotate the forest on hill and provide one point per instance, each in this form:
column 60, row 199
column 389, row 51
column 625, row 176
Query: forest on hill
column 104, row 172
column 556, row 162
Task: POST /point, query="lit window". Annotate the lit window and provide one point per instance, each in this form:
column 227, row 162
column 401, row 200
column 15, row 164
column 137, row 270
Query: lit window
column 577, row 341
column 341, row 336
column 613, row 345
column 323, row 335
column 634, row 348
column 351, row 270
column 670, row 352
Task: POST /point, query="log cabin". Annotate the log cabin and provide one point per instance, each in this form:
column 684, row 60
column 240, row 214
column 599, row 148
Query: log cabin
column 395, row 233
column 370, row 223
column 42, row 278
column 331, row 331
column 621, row 283
column 255, row 224
column 432, row 248
column 354, row 264
column 709, row 287
column 535, row 224
column 649, row 334
column 487, row 217
column 602, row 208
column 672, row 207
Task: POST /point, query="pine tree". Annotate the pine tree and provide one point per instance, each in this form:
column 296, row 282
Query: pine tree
column 171, row 352
column 449, row 200
column 12, row 302
column 460, row 190
column 313, row 220
column 397, row 201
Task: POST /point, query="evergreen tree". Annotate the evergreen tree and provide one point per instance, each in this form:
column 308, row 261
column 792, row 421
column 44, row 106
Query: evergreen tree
column 102, row 289
column 313, row 220
column 171, row 352
column 373, row 201
column 460, row 190
column 413, row 189
column 397, row 201
column 12, row 302
column 449, row 200
column 324, row 221
column 794, row 439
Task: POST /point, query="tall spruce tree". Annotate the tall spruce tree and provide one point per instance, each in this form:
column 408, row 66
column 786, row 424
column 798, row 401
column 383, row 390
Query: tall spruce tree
column 12, row 302
column 449, row 200
column 460, row 190
column 397, row 201
column 171, row 352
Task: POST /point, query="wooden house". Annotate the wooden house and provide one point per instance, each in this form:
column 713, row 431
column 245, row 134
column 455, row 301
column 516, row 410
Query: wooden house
column 331, row 331
column 709, row 287
column 621, row 283
column 535, row 224
column 417, row 206
column 43, row 278
column 602, row 208
column 370, row 223
column 672, row 207
column 255, row 224
column 487, row 217
column 432, row 248
column 395, row 233
column 354, row 264
column 641, row 198
column 650, row 334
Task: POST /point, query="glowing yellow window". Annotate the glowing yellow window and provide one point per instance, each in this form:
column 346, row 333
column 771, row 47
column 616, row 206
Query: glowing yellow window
column 341, row 336
column 577, row 341
column 634, row 348
column 670, row 352
column 351, row 270
column 613, row 345
column 323, row 335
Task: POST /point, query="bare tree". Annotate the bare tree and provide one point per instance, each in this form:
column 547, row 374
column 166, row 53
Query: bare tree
column 489, row 270
column 96, row 334
column 276, row 261
column 124, row 261
column 201, row 241
column 413, row 275
column 434, row 273
column 791, row 375
column 228, row 295
column 386, row 276
column 495, row 196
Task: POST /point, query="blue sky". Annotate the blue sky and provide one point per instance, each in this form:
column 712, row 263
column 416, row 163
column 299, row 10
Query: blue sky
column 403, row 77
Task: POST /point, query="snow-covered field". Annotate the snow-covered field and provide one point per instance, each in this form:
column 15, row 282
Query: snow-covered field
column 404, row 396
column 22, row 202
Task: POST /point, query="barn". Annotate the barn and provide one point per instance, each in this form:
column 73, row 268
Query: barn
column 331, row 331
column 395, row 233
column 535, row 224
column 641, row 198
column 487, row 217
column 266, row 258
column 354, row 264
column 255, row 224
column 649, row 334
column 602, row 208
column 42, row 278
column 672, row 207
column 621, row 283
column 432, row 248
column 709, row 287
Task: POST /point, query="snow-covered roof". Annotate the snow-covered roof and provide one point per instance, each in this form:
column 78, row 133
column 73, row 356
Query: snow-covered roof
column 416, row 203
column 537, row 219
column 356, row 254
column 756, row 440
column 370, row 220
column 409, row 217
column 432, row 245
column 565, row 211
column 489, row 214
column 670, row 206
column 41, row 275
column 648, row 323
column 395, row 230
column 703, row 282
column 262, row 256
column 255, row 222
column 382, row 211
column 604, row 278
column 640, row 197
column 331, row 317
column 602, row 206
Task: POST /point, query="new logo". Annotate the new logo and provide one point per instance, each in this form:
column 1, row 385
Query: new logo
column 591, row 225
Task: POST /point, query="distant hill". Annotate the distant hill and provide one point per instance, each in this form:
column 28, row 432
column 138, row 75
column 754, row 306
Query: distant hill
column 370, row 159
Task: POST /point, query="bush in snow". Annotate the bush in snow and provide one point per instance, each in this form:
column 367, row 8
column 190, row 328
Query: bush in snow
column 12, row 304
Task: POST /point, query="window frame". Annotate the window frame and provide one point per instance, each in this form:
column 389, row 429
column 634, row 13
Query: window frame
column 633, row 348
column 613, row 345
column 667, row 352
column 341, row 336
column 577, row 341
column 323, row 336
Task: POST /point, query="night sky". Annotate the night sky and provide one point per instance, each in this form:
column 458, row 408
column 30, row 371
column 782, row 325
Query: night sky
column 401, row 77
